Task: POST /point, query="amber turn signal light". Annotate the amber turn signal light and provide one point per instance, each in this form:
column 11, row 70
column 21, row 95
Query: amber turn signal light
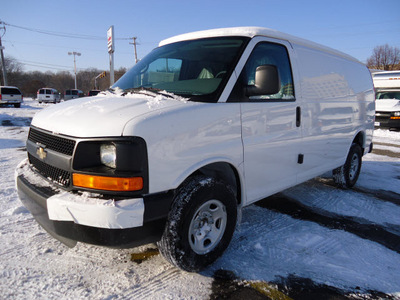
column 119, row 184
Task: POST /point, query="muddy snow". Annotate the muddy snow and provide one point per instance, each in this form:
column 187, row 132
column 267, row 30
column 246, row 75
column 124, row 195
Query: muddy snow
column 312, row 238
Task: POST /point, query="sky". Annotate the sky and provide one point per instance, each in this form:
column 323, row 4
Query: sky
column 39, row 34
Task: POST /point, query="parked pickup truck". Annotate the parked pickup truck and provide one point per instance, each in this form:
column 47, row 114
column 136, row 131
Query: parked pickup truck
column 206, row 124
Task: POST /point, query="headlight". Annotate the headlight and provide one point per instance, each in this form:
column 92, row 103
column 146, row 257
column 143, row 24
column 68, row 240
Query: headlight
column 397, row 113
column 108, row 155
column 114, row 164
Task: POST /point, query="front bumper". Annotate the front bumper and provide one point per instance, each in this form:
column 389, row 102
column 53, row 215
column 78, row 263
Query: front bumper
column 71, row 217
column 382, row 119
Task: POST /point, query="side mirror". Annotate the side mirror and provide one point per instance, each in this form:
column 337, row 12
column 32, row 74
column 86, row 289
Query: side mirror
column 267, row 81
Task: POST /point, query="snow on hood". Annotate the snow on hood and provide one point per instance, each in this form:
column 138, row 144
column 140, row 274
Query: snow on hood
column 387, row 105
column 102, row 115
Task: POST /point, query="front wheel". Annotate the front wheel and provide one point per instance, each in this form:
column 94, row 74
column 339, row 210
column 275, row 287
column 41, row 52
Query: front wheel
column 200, row 223
column 346, row 176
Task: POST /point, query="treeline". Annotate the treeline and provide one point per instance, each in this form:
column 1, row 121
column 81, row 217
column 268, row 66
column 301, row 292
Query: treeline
column 30, row 82
column 385, row 58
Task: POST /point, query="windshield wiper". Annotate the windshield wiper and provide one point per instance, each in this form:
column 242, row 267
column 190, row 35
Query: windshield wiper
column 148, row 91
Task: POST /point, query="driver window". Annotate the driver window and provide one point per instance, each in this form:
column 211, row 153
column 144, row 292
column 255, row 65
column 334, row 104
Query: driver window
column 265, row 54
column 160, row 70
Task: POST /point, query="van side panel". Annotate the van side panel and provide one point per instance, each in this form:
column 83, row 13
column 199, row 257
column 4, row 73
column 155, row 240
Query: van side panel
column 337, row 103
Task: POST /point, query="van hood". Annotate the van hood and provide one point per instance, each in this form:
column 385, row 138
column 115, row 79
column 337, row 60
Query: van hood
column 387, row 105
column 102, row 115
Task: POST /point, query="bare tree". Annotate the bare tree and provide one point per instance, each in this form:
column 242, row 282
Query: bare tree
column 384, row 58
column 31, row 86
column 62, row 81
column 13, row 70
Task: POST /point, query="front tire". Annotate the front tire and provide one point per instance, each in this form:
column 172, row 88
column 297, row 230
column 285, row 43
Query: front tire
column 200, row 223
column 346, row 176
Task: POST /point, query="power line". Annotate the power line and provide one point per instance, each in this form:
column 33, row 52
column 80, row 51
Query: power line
column 61, row 34
column 45, row 65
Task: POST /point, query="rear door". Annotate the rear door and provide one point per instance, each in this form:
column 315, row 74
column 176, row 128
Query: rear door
column 41, row 95
column 271, row 131
column 48, row 95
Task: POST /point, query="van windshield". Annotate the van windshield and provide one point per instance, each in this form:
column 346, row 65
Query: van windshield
column 196, row 69
column 388, row 95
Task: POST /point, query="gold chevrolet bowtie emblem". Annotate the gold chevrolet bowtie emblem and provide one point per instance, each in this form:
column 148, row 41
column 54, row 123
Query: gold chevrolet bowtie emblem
column 41, row 152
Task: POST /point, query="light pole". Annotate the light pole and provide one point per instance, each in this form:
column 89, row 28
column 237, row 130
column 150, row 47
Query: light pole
column 74, row 54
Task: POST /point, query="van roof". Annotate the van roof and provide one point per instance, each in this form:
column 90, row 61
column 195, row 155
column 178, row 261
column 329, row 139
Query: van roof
column 387, row 80
column 386, row 74
column 252, row 32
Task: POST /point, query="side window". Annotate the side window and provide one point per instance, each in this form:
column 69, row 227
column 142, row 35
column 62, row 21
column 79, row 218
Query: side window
column 265, row 54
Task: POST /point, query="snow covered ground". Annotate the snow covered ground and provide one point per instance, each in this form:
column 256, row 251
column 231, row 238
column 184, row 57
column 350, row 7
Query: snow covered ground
column 347, row 240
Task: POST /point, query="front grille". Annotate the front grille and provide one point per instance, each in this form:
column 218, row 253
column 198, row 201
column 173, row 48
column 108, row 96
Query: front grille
column 57, row 175
column 56, row 143
column 382, row 117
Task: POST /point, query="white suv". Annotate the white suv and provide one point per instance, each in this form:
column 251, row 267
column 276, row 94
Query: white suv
column 11, row 95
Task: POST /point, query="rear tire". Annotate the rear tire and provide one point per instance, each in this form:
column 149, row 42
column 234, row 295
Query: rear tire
column 17, row 105
column 346, row 176
column 200, row 223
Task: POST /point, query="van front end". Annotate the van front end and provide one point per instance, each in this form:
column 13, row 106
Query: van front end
column 90, row 190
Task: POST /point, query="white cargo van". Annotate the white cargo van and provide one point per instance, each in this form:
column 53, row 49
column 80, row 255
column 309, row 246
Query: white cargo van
column 72, row 94
column 47, row 95
column 207, row 123
column 11, row 95
column 387, row 88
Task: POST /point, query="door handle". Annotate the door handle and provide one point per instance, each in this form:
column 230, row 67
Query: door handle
column 298, row 116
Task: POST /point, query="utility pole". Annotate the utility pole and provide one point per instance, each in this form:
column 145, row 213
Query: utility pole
column 74, row 54
column 2, row 57
column 134, row 45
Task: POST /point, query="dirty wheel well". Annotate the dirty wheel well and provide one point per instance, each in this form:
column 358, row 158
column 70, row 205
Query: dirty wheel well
column 224, row 172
